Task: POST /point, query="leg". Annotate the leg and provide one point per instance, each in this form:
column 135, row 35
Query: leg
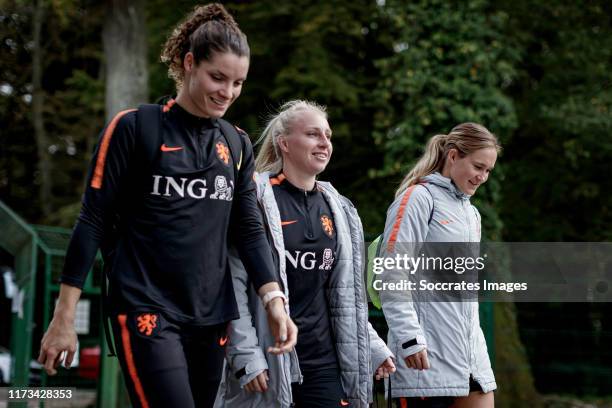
column 320, row 389
column 476, row 399
column 205, row 351
column 152, row 360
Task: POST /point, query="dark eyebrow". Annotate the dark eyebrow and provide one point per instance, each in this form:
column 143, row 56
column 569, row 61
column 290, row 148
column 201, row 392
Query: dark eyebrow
column 326, row 131
column 221, row 74
column 483, row 165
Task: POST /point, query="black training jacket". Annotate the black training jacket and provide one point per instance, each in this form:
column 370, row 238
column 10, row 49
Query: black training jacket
column 174, row 216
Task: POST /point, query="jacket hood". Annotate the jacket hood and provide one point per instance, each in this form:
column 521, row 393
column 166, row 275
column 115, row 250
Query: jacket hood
column 446, row 184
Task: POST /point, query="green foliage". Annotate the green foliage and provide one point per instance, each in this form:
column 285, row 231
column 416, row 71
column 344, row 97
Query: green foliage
column 17, row 149
column 562, row 150
column 451, row 65
column 73, row 101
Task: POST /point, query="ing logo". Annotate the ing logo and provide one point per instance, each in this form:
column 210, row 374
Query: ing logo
column 328, row 225
column 222, row 152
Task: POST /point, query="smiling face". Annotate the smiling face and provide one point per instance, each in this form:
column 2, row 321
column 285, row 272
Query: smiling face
column 307, row 148
column 210, row 87
column 470, row 171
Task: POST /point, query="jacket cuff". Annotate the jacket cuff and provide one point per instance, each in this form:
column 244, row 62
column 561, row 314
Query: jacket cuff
column 247, row 373
column 411, row 346
column 379, row 356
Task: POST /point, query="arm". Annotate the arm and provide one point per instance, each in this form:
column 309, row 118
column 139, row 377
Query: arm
column 108, row 165
column 245, row 356
column 404, row 232
column 60, row 335
column 247, row 227
column 250, row 239
column 381, row 356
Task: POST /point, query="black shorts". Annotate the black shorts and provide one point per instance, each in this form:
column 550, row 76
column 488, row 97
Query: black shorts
column 167, row 364
column 433, row 402
column 424, row 402
column 319, row 389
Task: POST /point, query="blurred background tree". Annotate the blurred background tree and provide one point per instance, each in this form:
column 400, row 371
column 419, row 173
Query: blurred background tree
column 558, row 166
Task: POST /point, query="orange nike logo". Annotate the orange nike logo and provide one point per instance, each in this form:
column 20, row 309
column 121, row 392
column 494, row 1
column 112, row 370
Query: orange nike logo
column 344, row 403
column 165, row 148
column 223, row 341
column 283, row 223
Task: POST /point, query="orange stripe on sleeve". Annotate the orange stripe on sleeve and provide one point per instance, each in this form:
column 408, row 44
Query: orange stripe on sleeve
column 169, row 105
column 129, row 360
column 398, row 219
column 96, row 181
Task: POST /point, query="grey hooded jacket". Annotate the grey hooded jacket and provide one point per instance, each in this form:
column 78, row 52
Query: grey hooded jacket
column 359, row 348
column 434, row 212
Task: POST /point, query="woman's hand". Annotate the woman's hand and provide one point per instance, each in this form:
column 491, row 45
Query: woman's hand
column 59, row 338
column 387, row 367
column 283, row 328
column 259, row 383
column 418, row 360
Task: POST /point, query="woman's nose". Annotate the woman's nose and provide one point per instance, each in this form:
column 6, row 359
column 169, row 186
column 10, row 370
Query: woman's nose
column 226, row 91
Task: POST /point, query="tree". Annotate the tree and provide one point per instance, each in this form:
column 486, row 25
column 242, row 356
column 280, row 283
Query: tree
column 451, row 64
column 125, row 52
column 561, row 151
column 559, row 169
column 64, row 105
column 38, row 94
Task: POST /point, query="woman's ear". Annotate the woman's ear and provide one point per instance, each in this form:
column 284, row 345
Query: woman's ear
column 282, row 144
column 188, row 62
column 452, row 156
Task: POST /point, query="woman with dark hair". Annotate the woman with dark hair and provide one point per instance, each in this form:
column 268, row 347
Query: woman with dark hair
column 163, row 217
column 317, row 239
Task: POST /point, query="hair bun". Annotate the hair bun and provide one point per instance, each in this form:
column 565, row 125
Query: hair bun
column 214, row 12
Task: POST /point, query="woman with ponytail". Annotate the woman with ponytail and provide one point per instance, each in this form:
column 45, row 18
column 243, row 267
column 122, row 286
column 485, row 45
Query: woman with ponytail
column 442, row 354
column 317, row 239
column 168, row 187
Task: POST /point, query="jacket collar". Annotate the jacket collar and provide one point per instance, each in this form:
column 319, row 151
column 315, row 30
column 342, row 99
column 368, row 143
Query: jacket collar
column 446, row 184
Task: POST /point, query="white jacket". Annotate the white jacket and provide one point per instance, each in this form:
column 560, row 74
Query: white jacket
column 456, row 348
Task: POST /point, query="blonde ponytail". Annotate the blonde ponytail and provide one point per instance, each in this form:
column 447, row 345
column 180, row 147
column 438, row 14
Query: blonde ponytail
column 466, row 138
column 427, row 164
column 268, row 158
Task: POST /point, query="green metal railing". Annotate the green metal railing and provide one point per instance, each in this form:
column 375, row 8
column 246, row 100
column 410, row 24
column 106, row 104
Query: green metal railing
column 39, row 253
column 21, row 241
column 55, row 243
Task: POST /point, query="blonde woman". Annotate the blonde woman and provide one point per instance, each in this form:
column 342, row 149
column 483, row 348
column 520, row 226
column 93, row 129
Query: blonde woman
column 442, row 354
column 317, row 241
